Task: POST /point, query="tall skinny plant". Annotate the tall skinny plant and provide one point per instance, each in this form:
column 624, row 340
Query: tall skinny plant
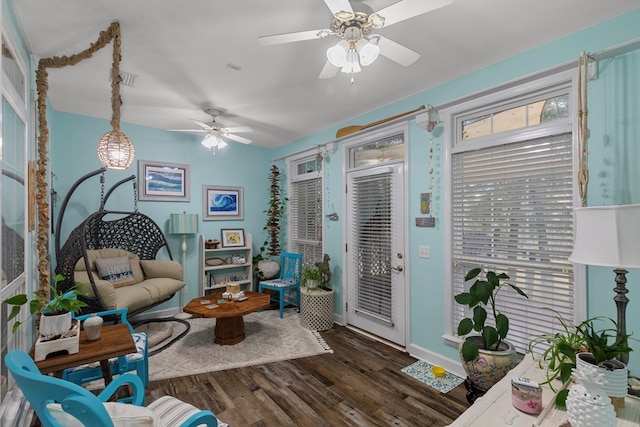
column 275, row 211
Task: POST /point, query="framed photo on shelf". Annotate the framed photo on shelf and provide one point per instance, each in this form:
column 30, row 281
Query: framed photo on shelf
column 222, row 203
column 232, row 238
column 160, row 181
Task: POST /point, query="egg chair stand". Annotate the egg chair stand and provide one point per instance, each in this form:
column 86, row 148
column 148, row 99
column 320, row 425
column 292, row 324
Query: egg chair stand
column 130, row 231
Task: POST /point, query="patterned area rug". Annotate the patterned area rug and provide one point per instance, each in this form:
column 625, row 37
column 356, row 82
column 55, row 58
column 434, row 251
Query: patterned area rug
column 268, row 339
column 421, row 371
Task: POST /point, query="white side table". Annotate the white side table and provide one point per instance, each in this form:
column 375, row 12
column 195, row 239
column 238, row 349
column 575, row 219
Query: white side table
column 494, row 409
column 316, row 309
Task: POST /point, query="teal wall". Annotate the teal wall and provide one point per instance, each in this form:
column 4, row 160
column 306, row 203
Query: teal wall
column 614, row 161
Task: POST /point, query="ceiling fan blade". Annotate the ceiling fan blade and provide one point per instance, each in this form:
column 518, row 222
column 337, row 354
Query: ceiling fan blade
column 239, row 129
column 289, row 37
column 396, row 52
column 238, row 138
column 336, row 6
column 189, row 130
column 199, row 123
column 329, row 70
column 409, row 8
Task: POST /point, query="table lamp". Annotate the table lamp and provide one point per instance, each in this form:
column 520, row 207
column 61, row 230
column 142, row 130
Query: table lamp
column 183, row 224
column 609, row 236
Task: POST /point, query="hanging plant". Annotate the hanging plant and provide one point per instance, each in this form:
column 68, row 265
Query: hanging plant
column 275, row 211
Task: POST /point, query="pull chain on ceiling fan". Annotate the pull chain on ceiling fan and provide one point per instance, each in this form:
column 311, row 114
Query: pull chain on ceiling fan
column 215, row 132
column 356, row 47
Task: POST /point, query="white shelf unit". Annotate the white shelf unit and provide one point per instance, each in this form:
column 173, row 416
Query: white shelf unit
column 213, row 278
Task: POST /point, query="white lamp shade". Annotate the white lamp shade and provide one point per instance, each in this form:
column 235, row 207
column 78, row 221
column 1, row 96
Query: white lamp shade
column 607, row 236
column 183, row 223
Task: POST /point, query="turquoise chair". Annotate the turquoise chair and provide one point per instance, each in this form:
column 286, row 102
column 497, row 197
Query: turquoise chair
column 60, row 403
column 138, row 361
column 289, row 280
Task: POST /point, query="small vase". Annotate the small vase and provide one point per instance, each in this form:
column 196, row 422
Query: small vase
column 92, row 326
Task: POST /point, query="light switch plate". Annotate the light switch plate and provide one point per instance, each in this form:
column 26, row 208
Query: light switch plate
column 424, row 251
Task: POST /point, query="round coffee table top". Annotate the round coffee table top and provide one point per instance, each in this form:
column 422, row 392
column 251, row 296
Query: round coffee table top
column 204, row 306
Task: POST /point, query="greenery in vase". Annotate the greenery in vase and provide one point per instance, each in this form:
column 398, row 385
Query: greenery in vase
column 556, row 353
column 310, row 273
column 482, row 295
column 60, row 302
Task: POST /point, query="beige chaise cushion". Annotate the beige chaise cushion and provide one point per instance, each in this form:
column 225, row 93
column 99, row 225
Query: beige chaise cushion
column 160, row 279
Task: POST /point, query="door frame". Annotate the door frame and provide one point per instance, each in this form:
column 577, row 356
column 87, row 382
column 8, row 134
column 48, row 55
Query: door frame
column 376, row 134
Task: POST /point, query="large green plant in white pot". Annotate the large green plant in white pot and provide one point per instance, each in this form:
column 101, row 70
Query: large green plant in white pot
column 485, row 354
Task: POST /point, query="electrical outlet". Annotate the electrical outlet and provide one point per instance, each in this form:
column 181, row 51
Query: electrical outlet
column 424, row 251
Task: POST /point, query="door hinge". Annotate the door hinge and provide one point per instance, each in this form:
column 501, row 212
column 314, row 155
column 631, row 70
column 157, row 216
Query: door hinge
column 346, row 188
column 346, row 247
column 346, row 306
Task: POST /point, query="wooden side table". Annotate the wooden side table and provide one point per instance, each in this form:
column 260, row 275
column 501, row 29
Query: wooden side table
column 114, row 341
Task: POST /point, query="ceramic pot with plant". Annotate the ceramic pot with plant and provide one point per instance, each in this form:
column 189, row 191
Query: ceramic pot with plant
column 56, row 312
column 485, row 355
column 582, row 347
column 311, row 277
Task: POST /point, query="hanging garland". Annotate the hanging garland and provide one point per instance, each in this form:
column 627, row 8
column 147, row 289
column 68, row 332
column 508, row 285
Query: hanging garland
column 583, row 149
column 42, row 192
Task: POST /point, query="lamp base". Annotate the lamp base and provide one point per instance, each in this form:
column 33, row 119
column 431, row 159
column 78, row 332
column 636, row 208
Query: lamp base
column 183, row 315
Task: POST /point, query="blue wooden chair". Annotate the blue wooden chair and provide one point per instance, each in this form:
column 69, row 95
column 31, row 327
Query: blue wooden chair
column 138, row 361
column 60, row 403
column 289, row 280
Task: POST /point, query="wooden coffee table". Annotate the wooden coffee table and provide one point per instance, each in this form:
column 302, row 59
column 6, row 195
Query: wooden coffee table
column 229, row 328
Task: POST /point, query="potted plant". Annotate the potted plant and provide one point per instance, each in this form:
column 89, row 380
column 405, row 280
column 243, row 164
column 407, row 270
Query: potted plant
column 56, row 312
column 485, row 355
column 576, row 347
column 311, row 277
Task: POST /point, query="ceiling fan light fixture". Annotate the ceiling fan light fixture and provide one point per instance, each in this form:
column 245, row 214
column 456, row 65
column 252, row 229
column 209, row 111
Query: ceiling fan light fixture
column 368, row 51
column 213, row 141
column 337, row 54
column 352, row 65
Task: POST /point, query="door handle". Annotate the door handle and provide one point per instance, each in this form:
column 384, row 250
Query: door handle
column 398, row 268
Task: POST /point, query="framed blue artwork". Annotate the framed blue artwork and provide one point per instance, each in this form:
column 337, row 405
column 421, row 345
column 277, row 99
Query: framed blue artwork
column 221, row 203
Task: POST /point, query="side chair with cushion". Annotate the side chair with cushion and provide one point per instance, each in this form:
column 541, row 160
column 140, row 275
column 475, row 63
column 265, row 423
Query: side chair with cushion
column 137, row 361
column 60, row 403
column 289, row 280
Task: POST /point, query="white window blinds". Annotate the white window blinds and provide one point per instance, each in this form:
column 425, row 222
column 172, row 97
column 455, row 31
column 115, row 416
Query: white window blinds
column 512, row 213
column 372, row 237
column 305, row 218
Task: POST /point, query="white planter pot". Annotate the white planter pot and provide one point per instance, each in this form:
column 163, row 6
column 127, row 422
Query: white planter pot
column 615, row 380
column 54, row 324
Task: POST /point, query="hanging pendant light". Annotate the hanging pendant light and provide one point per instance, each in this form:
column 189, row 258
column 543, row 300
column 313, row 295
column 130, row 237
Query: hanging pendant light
column 115, row 149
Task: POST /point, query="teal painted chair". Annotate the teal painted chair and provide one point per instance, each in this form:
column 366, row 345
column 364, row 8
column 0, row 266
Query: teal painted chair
column 289, row 281
column 138, row 361
column 60, row 403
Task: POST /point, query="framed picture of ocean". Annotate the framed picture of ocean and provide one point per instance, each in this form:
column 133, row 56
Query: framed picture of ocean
column 221, row 203
column 163, row 181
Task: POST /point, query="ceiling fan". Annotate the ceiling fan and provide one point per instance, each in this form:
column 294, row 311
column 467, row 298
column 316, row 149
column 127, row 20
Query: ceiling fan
column 358, row 45
column 215, row 132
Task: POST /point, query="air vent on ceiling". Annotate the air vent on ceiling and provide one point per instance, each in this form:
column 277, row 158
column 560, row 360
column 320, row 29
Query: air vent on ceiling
column 128, row 79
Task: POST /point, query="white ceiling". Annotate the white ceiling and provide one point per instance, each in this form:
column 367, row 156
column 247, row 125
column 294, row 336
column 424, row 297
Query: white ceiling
column 181, row 50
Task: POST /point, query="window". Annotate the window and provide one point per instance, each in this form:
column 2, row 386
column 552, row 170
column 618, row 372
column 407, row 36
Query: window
column 305, row 209
column 511, row 206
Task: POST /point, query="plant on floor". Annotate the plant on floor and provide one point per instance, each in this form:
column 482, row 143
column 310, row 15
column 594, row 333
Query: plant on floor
column 482, row 295
column 60, row 302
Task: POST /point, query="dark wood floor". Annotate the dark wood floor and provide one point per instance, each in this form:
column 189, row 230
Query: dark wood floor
column 359, row 384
